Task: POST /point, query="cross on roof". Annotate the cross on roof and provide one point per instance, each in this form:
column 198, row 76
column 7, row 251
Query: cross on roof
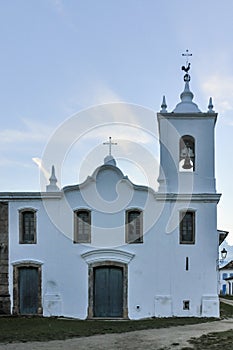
column 187, row 54
column 110, row 144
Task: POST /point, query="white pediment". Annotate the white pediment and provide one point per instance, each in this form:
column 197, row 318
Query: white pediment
column 107, row 254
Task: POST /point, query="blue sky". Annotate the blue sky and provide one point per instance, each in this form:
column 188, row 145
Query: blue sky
column 59, row 57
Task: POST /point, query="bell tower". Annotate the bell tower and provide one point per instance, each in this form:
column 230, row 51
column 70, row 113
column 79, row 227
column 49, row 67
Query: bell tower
column 186, row 144
column 187, row 189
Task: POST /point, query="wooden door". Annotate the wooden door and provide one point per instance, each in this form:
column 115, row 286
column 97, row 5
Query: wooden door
column 108, row 292
column 28, row 290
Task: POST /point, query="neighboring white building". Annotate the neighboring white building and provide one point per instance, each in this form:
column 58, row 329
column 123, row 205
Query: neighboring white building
column 109, row 248
column 226, row 279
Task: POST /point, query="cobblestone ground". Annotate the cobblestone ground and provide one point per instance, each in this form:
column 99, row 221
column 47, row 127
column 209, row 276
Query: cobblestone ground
column 156, row 339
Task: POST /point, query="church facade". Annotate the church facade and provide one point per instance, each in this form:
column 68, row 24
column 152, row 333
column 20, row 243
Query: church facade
column 108, row 248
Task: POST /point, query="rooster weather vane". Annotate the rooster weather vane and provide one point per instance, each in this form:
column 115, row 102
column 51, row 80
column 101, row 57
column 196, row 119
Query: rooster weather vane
column 186, row 68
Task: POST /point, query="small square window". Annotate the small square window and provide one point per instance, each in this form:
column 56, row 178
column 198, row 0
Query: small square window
column 186, row 304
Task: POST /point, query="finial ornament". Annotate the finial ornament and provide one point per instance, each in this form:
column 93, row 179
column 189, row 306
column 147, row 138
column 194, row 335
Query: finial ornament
column 52, row 181
column 163, row 106
column 110, row 144
column 210, row 106
column 186, row 68
column 186, row 105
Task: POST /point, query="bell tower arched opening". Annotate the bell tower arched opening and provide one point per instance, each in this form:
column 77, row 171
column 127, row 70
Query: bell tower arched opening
column 187, row 153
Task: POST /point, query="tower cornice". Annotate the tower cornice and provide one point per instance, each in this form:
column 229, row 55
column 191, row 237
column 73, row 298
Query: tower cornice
column 200, row 115
column 184, row 197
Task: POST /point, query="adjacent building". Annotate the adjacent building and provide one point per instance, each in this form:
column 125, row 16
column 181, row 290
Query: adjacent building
column 226, row 279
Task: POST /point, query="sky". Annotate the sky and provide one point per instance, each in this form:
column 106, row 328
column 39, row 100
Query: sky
column 63, row 60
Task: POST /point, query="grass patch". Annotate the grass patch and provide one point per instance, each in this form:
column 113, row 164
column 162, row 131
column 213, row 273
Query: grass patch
column 216, row 340
column 24, row 329
column 211, row 341
column 226, row 310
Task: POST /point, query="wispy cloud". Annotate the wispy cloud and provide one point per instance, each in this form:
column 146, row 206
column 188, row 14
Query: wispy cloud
column 94, row 93
column 58, row 5
column 39, row 163
column 100, row 105
column 221, row 89
column 62, row 11
column 121, row 121
column 31, row 131
column 11, row 162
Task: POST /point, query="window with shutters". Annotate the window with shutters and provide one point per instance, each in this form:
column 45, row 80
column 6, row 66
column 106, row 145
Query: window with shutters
column 134, row 226
column 187, row 227
column 27, row 226
column 82, row 226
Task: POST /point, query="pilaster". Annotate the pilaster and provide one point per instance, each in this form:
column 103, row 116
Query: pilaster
column 4, row 260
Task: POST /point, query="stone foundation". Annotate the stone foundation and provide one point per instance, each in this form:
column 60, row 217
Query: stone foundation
column 4, row 260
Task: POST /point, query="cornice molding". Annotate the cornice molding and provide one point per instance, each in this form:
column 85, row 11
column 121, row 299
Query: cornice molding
column 184, row 197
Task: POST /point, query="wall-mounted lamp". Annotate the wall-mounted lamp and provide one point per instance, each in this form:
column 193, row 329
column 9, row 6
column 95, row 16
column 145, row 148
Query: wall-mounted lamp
column 221, row 260
column 223, row 254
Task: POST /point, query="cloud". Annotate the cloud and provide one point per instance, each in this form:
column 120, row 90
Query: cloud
column 38, row 162
column 7, row 162
column 95, row 92
column 94, row 125
column 32, row 131
column 104, row 108
column 58, row 6
column 221, row 89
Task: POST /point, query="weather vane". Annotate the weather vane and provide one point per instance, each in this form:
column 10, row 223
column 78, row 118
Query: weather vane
column 110, row 144
column 186, row 68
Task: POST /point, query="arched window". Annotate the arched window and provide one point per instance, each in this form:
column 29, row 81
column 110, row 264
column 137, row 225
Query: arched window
column 134, row 223
column 27, row 226
column 187, row 153
column 82, row 226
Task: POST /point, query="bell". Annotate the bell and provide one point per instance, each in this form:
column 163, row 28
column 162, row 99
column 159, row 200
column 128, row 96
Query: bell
column 187, row 163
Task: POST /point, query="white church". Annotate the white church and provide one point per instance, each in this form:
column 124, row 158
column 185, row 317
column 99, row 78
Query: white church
column 109, row 248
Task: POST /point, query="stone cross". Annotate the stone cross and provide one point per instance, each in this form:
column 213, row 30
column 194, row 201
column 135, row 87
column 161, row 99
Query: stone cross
column 110, row 144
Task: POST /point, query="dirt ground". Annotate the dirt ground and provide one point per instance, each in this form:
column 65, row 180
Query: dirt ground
column 156, row 339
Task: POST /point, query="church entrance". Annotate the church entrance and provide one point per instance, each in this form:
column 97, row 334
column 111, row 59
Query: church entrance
column 28, row 290
column 108, row 291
